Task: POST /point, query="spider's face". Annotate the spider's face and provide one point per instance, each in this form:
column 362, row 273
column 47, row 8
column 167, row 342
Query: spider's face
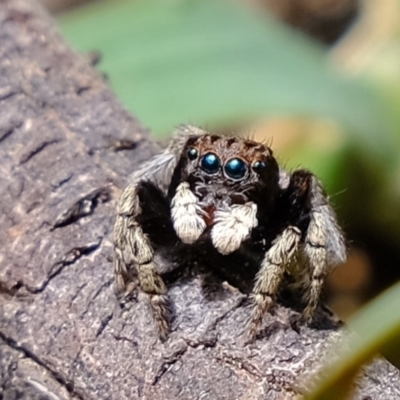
column 229, row 165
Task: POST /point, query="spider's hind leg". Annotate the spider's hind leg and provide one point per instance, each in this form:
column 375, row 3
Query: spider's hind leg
column 324, row 245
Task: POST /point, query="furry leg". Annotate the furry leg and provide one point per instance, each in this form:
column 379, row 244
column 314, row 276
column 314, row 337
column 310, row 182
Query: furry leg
column 133, row 252
column 270, row 275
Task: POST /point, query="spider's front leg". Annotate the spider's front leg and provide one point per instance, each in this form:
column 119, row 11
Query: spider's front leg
column 312, row 229
column 270, row 275
column 134, row 255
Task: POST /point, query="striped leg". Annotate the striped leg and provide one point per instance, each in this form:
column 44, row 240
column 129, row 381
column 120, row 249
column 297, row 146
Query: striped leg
column 133, row 254
column 270, row 275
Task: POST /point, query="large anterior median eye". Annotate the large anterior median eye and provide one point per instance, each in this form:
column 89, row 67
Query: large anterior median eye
column 235, row 168
column 210, row 163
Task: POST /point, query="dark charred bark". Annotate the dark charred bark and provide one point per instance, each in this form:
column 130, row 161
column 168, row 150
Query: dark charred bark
column 62, row 333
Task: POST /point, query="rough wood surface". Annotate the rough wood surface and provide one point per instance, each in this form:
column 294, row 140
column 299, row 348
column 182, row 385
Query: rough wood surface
column 66, row 149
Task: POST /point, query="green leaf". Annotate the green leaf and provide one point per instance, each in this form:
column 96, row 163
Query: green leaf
column 375, row 327
column 212, row 62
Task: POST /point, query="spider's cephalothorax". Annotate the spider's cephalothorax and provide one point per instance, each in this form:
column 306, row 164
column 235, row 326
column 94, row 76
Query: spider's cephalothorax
column 224, row 201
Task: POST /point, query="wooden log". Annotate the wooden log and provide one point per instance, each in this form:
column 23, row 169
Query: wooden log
column 67, row 147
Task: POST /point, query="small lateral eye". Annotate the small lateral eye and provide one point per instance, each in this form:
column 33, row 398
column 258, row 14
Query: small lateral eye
column 258, row 166
column 235, row 168
column 192, row 153
column 210, row 163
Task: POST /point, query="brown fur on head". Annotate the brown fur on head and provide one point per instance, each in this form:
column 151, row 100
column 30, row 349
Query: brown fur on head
column 255, row 160
column 230, row 147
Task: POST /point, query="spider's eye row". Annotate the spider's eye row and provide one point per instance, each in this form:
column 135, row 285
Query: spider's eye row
column 235, row 168
column 210, row 163
column 258, row 166
column 192, row 153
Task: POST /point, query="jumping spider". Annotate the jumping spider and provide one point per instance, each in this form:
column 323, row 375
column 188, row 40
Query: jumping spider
column 226, row 201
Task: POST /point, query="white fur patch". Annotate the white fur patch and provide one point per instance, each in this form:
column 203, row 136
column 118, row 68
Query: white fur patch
column 187, row 215
column 232, row 226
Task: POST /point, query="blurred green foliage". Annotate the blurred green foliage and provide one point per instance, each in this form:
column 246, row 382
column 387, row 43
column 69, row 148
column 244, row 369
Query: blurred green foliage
column 215, row 64
column 375, row 327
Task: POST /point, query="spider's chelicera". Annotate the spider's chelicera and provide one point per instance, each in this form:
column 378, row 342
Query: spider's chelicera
column 224, row 202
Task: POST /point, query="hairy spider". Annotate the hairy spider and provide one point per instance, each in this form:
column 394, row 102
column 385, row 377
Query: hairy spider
column 225, row 202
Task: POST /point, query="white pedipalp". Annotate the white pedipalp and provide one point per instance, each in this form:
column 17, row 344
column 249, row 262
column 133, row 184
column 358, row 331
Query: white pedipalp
column 232, row 226
column 187, row 215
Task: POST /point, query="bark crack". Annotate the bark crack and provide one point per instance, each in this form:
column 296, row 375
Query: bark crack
column 103, row 287
column 83, row 207
column 8, row 132
column 68, row 384
column 103, row 325
column 32, row 153
column 69, row 258
column 241, row 364
column 169, row 361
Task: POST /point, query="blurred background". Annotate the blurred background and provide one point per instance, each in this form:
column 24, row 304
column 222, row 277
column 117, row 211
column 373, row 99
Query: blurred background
column 318, row 79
